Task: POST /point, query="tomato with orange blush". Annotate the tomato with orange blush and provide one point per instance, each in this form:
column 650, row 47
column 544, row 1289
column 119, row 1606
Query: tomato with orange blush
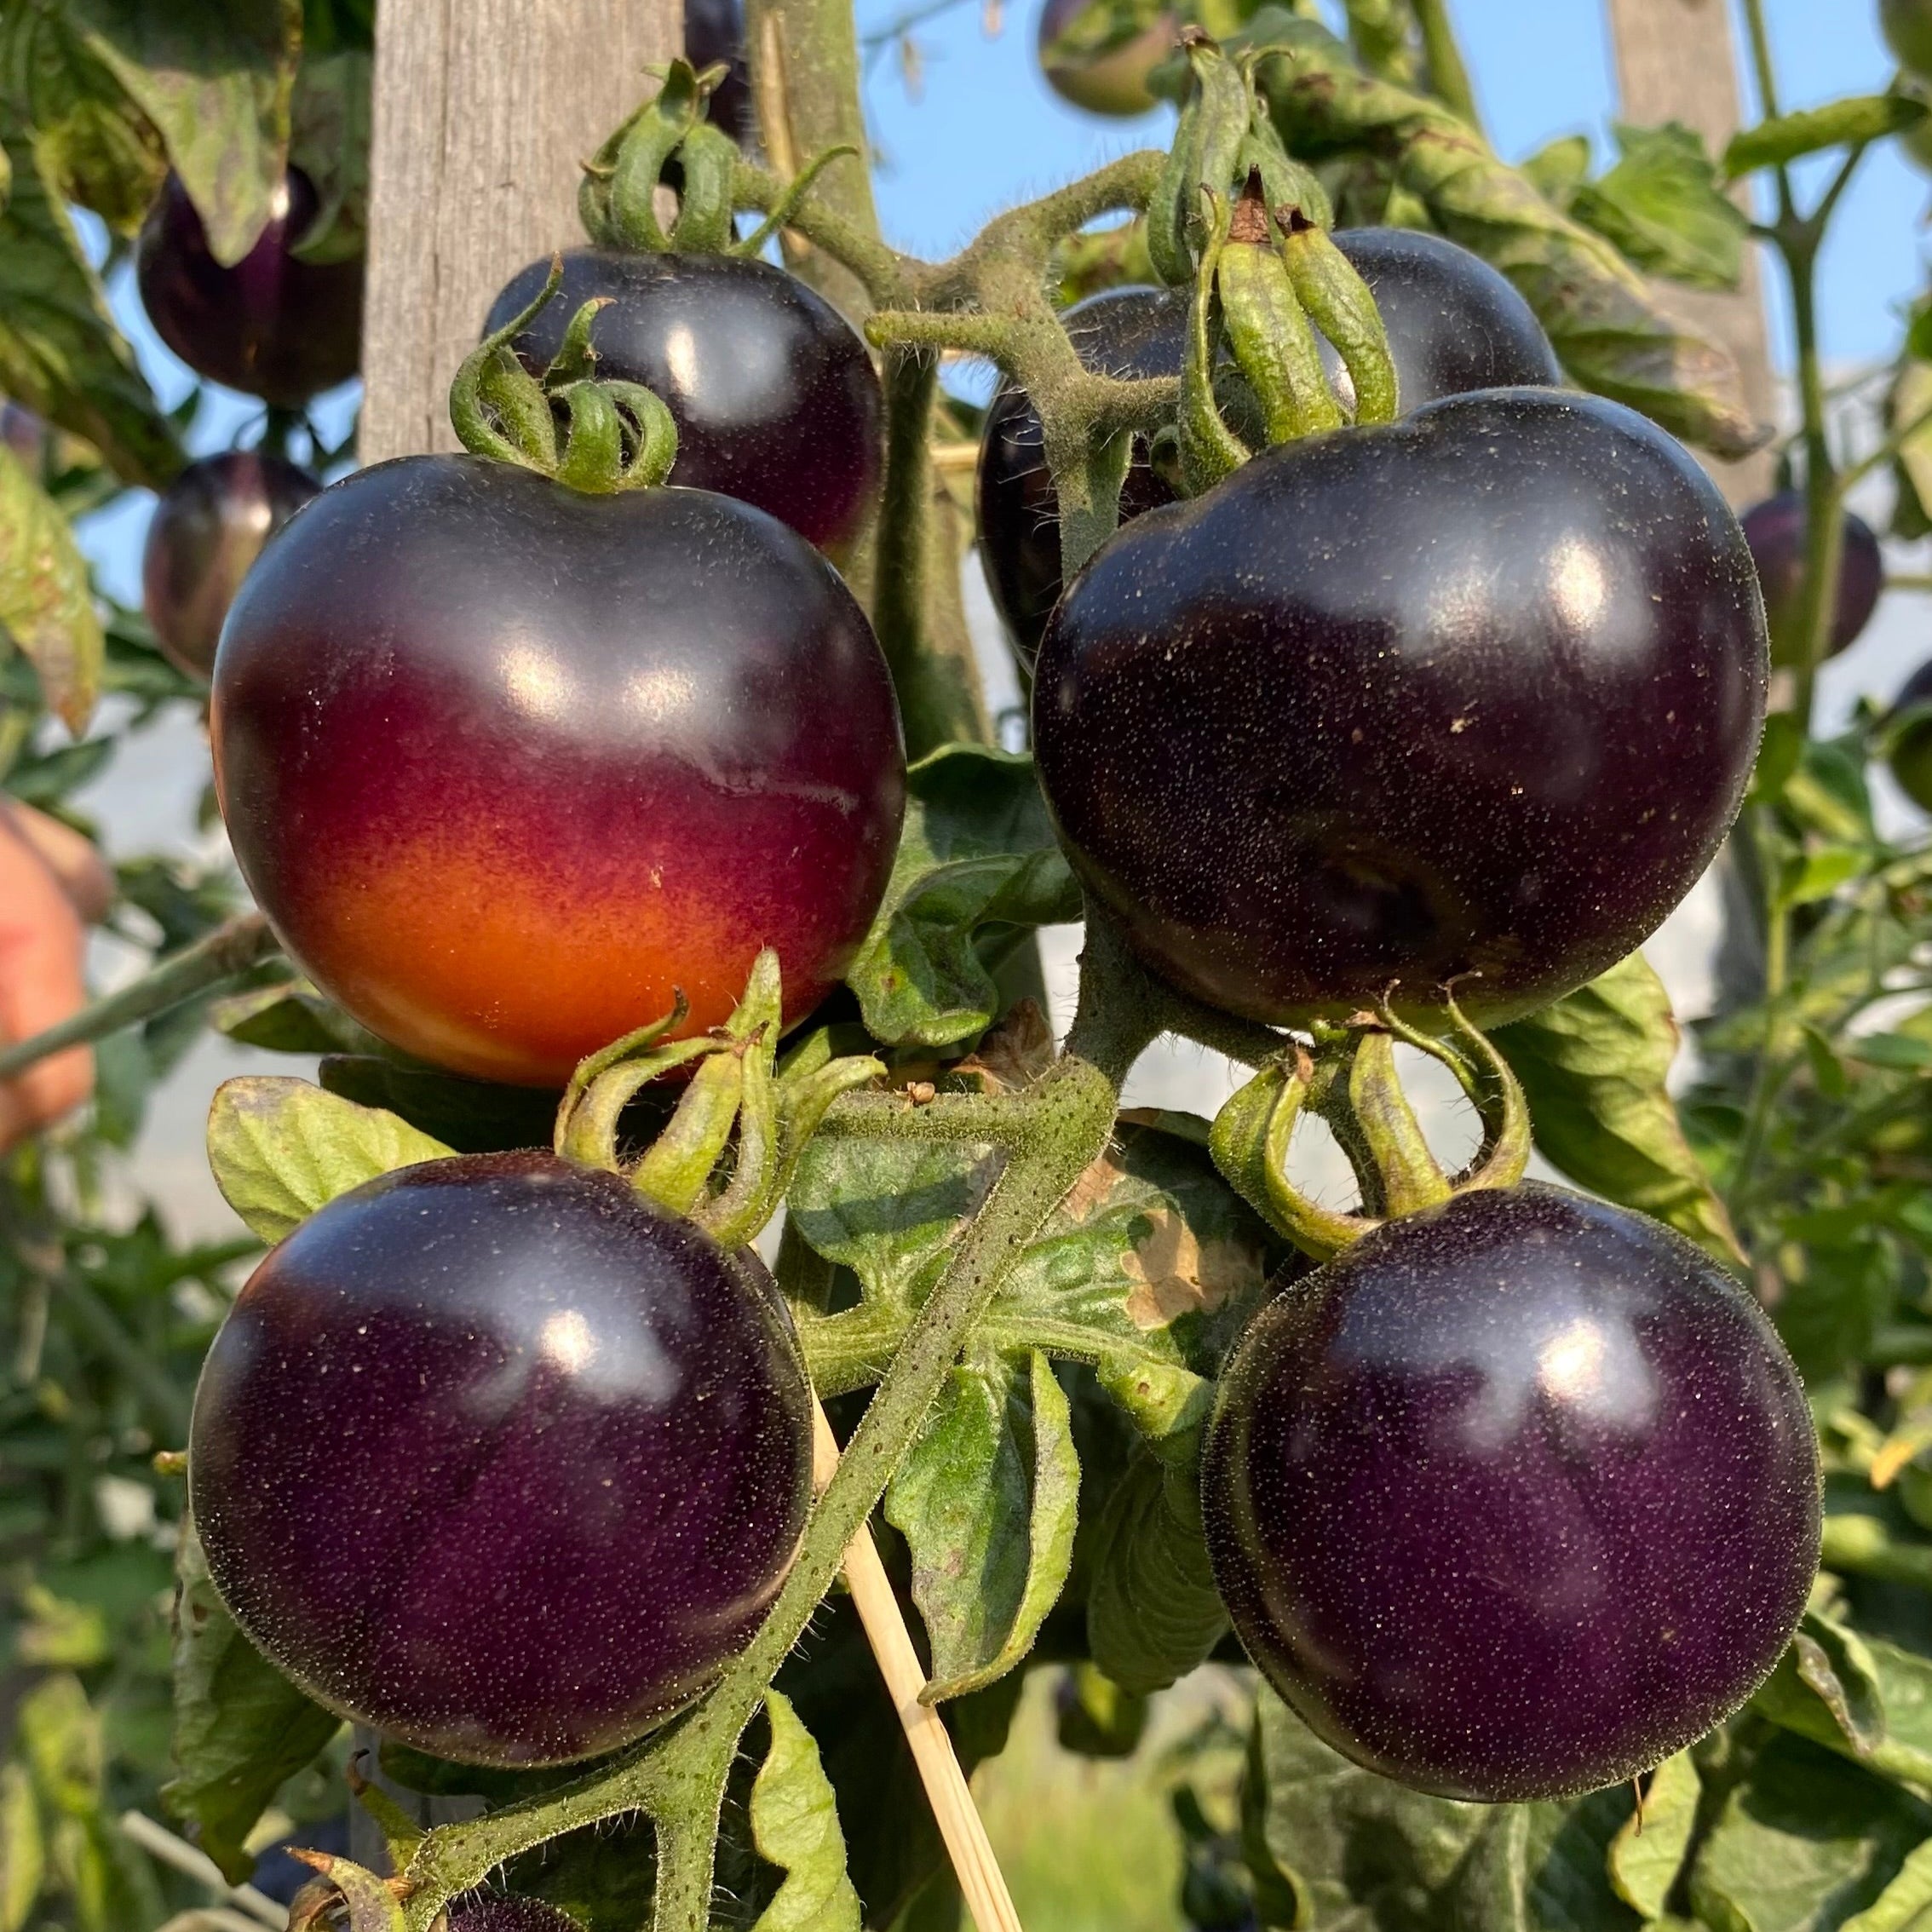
column 510, row 767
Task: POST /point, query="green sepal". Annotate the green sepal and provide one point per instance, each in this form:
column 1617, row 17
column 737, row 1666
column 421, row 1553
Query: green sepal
column 1339, row 303
column 643, row 146
column 708, row 159
column 373, row 1905
column 1267, row 329
column 675, row 1169
column 1210, row 450
column 1214, row 123
column 752, row 247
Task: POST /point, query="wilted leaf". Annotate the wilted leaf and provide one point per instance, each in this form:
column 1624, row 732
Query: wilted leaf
column 1361, row 1851
column 215, row 76
column 987, row 1499
column 280, row 1148
column 1863, row 1697
column 1153, row 1610
column 977, row 852
column 1662, row 206
column 1593, row 1066
column 1789, row 137
column 241, row 1729
column 1649, row 1850
column 1806, row 1840
column 60, row 355
column 795, row 1822
column 1608, row 329
column 46, row 603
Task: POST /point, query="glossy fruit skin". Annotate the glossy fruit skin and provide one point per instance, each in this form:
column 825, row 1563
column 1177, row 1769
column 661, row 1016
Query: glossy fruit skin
column 273, row 325
column 1514, row 1497
column 1113, row 83
column 1454, row 325
column 561, row 1442
column 208, row 529
column 507, row 765
column 774, row 396
column 1775, row 530
column 1911, row 750
column 479, row 1912
column 1475, row 692
column 1908, row 27
column 714, row 31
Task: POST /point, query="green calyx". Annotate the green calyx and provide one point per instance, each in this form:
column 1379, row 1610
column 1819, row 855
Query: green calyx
column 596, row 436
column 1236, row 216
column 727, row 1154
column 1349, row 1078
column 628, row 181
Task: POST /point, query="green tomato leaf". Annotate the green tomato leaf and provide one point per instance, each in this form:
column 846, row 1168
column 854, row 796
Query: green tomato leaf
column 1648, row 1849
column 987, row 1499
column 1805, row 1840
column 23, row 1854
column 1153, row 1610
column 329, row 141
column 290, row 1017
column 46, row 602
column 1662, row 205
column 241, row 1729
column 215, row 76
column 1558, row 169
column 1900, row 1906
column 977, row 852
column 1097, row 1717
column 95, row 145
column 280, row 1148
column 1863, row 1697
column 60, row 355
column 1790, row 137
column 795, row 1822
column 1593, row 1066
column 59, row 1735
column 1360, row 1850
column 1608, row 328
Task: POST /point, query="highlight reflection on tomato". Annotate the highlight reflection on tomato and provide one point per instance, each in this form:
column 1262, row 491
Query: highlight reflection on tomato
column 508, row 765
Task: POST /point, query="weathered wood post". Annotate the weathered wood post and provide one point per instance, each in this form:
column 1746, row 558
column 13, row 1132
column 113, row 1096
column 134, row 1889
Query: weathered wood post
column 1676, row 61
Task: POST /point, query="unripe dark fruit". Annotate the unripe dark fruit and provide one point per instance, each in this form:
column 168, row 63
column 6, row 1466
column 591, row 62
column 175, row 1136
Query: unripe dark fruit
column 494, row 1456
column 209, row 527
column 1776, row 530
column 1113, row 83
column 1910, row 748
column 1514, row 1497
column 273, row 325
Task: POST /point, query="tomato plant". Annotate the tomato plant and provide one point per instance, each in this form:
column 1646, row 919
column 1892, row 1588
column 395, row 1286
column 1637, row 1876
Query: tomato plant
column 486, row 1539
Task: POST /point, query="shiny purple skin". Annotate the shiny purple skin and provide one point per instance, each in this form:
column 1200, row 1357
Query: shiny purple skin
column 509, row 767
column 273, row 325
column 775, row 398
column 714, row 31
column 479, row 1912
column 1454, row 325
column 1477, row 692
column 1775, row 530
column 1514, row 1499
column 497, row 1458
column 208, row 529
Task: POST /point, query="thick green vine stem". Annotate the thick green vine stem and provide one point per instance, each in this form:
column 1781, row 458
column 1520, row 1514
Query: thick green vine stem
column 614, row 436
column 1050, row 1132
column 1349, row 1077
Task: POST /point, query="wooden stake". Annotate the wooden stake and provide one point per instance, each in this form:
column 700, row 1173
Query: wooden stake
column 980, row 1880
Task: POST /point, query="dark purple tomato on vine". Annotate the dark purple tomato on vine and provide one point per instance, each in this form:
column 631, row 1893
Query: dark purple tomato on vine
column 1454, row 323
column 1110, row 79
column 1909, row 751
column 496, row 1456
column 208, row 528
column 509, row 767
column 714, row 31
column 774, row 396
column 273, row 325
column 1514, row 1499
column 479, row 1912
column 1473, row 692
column 1775, row 530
